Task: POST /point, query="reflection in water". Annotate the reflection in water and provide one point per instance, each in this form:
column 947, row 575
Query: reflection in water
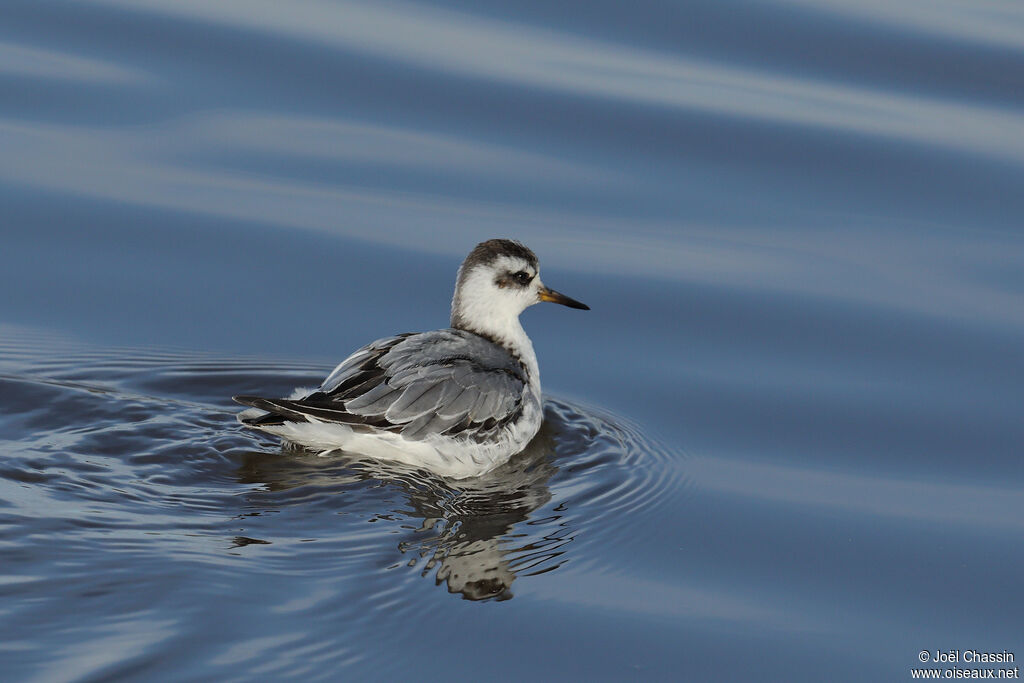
column 466, row 530
column 262, row 558
column 801, row 222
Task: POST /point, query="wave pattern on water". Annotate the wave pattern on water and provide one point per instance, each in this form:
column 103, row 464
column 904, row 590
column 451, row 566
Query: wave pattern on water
column 129, row 473
column 675, row 161
column 797, row 223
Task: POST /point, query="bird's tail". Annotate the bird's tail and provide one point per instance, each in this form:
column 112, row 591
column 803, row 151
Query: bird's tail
column 274, row 414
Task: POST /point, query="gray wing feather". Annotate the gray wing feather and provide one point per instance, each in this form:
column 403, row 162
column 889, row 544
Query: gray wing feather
column 408, row 406
column 373, row 403
column 353, row 366
column 447, row 381
column 451, row 375
column 427, row 403
column 459, row 406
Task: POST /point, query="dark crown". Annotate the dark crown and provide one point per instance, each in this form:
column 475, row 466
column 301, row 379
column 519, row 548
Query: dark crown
column 487, row 252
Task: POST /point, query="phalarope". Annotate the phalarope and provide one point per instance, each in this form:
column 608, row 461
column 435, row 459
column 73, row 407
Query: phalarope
column 458, row 401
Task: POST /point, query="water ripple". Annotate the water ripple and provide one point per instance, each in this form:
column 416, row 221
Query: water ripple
column 541, row 58
column 36, row 63
column 139, row 455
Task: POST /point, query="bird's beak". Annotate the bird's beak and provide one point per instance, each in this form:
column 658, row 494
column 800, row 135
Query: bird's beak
column 559, row 298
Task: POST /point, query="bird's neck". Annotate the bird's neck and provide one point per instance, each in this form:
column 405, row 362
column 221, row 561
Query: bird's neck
column 508, row 333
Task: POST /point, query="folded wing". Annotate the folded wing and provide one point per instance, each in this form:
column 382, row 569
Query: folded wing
column 446, row 382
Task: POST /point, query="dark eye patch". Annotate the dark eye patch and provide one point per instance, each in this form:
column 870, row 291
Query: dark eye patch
column 522, row 278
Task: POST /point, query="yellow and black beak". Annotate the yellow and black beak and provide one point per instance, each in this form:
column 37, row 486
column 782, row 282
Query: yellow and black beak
column 559, row 298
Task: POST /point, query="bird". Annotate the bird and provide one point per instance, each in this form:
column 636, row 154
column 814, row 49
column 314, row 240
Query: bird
column 458, row 401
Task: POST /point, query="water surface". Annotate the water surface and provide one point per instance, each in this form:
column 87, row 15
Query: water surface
column 784, row 445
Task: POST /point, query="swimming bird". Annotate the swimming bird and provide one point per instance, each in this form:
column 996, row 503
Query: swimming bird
column 458, row 401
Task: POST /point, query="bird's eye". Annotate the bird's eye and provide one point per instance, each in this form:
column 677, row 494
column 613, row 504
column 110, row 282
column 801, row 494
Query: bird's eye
column 522, row 277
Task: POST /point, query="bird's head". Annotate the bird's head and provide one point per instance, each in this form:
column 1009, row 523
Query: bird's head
column 498, row 281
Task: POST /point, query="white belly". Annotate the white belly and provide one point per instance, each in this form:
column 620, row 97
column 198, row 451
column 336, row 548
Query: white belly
column 455, row 457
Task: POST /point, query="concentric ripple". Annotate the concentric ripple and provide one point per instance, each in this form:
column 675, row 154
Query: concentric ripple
column 128, row 471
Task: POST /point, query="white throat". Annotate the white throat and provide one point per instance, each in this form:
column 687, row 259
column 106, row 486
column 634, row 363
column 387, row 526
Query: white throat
column 476, row 308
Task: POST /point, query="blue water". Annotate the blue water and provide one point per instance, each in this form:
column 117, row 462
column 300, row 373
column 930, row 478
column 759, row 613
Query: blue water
column 785, row 444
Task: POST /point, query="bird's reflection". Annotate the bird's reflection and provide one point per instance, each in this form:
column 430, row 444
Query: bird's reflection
column 466, row 529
